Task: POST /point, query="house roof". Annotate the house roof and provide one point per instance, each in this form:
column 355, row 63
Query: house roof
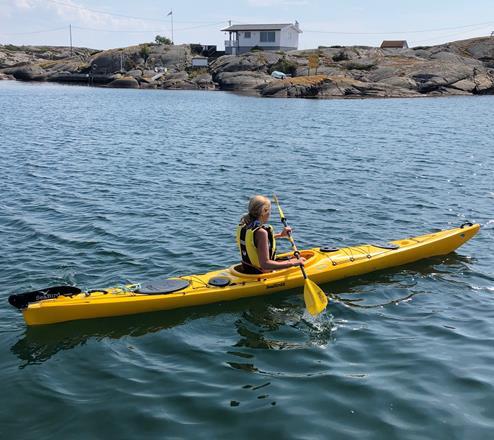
column 393, row 44
column 260, row 27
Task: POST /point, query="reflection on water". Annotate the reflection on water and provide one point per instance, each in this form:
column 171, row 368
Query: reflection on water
column 40, row 343
column 402, row 279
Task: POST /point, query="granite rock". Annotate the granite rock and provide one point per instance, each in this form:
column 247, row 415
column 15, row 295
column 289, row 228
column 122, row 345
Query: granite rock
column 125, row 82
column 460, row 67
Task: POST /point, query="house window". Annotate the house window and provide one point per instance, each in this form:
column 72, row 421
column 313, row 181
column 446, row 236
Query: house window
column 268, row 37
column 247, row 34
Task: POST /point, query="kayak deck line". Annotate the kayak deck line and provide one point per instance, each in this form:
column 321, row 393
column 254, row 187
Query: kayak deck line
column 229, row 284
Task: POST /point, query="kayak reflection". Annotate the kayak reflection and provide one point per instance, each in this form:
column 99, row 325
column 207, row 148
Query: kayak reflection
column 398, row 284
column 40, row 343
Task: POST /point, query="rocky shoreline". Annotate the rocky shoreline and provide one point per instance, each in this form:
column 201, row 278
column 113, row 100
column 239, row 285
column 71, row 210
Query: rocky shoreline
column 458, row 68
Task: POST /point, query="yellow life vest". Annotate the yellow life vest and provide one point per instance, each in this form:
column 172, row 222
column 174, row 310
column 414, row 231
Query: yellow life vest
column 246, row 243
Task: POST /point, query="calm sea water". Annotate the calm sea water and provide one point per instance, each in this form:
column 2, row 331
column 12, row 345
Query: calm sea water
column 101, row 187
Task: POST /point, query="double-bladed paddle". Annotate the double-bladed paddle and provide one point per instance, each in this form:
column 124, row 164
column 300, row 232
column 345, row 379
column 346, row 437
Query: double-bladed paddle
column 315, row 299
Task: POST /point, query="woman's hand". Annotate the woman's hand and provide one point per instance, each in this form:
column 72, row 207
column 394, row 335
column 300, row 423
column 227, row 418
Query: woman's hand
column 298, row 261
column 287, row 230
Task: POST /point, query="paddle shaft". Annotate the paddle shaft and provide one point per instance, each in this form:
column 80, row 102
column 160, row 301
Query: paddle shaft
column 294, row 246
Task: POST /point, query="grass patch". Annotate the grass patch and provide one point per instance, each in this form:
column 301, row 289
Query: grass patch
column 196, row 71
column 359, row 66
column 305, row 80
column 12, row 48
column 285, row 66
column 340, row 56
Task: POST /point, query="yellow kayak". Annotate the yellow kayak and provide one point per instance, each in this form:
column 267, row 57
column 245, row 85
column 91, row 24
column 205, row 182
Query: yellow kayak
column 67, row 303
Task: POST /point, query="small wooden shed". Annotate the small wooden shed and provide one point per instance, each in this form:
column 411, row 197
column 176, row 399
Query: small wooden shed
column 394, row 44
column 200, row 62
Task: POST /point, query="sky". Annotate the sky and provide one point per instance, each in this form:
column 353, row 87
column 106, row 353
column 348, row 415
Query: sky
column 104, row 24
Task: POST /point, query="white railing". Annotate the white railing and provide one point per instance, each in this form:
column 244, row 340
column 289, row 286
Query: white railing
column 231, row 43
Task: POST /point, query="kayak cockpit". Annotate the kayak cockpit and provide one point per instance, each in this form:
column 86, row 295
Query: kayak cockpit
column 236, row 270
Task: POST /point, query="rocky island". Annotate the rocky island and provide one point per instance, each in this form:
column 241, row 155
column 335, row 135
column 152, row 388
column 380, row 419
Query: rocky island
column 458, row 68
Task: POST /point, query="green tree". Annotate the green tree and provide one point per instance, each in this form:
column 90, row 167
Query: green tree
column 144, row 52
column 163, row 40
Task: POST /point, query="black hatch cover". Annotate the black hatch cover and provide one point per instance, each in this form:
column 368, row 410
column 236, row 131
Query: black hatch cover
column 160, row 286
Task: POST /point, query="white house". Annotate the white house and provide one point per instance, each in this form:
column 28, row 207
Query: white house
column 243, row 37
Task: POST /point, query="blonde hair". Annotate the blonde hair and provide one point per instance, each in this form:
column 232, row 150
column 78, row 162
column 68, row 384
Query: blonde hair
column 258, row 205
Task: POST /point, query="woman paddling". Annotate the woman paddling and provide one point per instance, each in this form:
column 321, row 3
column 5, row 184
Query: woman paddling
column 256, row 240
